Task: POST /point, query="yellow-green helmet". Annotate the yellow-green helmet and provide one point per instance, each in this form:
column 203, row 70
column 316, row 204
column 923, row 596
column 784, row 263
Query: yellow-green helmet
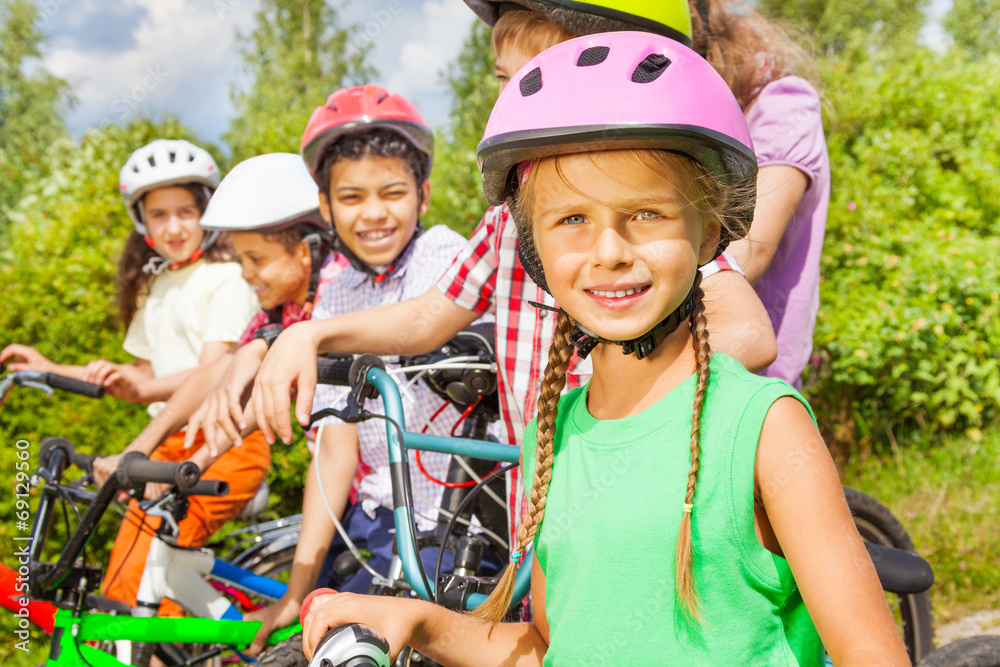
column 671, row 18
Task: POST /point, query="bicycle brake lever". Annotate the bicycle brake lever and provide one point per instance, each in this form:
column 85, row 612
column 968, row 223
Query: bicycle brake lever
column 37, row 385
column 167, row 516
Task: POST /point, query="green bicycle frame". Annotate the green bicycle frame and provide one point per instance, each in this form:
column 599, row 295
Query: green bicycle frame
column 69, row 650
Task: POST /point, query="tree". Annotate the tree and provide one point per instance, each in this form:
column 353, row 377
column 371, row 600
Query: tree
column 296, row 56
column 859, row 25
column 457, row 194
column 32, row 104
column 975, row 25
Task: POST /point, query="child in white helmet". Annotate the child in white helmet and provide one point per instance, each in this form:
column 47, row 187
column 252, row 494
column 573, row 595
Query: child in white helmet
column 184, row 304
column 166, row 186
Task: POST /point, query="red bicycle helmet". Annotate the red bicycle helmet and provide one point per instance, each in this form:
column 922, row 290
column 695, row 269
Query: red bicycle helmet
column 361, row 108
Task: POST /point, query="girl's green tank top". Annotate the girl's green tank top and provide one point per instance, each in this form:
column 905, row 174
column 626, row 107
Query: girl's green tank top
column 609, row 536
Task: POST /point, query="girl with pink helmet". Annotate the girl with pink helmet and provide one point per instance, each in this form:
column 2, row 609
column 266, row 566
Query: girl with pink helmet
column 682, row 510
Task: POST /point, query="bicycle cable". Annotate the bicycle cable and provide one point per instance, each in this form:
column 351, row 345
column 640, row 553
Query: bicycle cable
column 329, row 510
column 464, row 522
column 458, row 511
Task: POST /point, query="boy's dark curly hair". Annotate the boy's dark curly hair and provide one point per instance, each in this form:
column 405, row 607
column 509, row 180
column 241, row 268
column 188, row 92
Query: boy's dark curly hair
column 377, row 142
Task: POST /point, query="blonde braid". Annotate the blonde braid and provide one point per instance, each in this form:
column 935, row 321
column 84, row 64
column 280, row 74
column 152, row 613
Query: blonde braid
column 495, row 607
column 687, row 594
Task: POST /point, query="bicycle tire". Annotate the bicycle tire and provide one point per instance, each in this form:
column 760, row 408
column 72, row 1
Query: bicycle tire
column 287, row 653
column 978, row 651
column 913, row 611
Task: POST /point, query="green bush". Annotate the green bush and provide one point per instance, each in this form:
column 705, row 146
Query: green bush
column 907, row 325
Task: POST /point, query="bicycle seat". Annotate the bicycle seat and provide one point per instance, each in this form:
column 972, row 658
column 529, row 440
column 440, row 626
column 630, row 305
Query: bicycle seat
column 900, row 572
column 258, row 503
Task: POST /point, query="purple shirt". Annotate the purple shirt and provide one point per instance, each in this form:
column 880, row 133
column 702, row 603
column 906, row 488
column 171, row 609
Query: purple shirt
column 787, row 129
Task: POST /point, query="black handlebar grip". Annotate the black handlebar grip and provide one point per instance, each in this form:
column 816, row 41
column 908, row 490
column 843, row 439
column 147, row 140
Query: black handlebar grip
column 135, row 469
column 46, row 449
column 83, row 461
column 76, row 386
column 331, row 371
column 48, row 444
column 207, row 487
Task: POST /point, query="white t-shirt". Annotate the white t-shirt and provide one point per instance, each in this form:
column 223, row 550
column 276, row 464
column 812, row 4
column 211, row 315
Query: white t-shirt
column 201, row 303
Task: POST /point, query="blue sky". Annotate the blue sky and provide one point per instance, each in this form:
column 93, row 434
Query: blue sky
column 179, row 57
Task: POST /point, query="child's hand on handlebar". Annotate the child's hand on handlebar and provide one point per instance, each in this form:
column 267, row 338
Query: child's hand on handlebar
column 283, row 612
column 386, row 615
column 290, row 365
column 30, row 359
column 103, row 468
column 224, row 406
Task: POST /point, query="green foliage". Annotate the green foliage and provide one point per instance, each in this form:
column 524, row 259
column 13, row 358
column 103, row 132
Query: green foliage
column 974, row 25
column 457, row 198
column 909, row 302
column 296, row 56
column 858, row 26
column 32, row 103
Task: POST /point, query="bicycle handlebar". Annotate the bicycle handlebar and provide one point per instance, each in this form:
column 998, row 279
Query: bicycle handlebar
column 73, row 385
column 206, row 487
column 135, row 469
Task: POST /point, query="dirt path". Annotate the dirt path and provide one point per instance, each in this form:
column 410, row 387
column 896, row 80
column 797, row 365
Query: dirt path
column 980, row 623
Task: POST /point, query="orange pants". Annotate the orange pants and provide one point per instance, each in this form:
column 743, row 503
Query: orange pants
column 243, row 468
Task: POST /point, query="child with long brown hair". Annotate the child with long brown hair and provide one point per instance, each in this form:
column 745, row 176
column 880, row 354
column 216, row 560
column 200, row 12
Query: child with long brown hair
column 770, row 75
column 704, row 536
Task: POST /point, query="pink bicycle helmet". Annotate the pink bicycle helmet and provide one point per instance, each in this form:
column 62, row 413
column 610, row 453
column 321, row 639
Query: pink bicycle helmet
column 614, row 91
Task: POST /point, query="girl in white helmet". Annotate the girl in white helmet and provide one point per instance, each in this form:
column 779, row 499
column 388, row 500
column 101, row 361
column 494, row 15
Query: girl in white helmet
column 179, row 312
column 184, row 303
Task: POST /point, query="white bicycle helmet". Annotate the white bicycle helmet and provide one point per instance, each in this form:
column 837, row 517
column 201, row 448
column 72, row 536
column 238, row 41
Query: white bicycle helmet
column 267, row 193
column 162, row 163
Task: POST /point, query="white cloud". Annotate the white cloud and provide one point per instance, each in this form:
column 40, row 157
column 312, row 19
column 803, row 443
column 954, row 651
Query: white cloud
column 181, row 58
column 413, row 41
column 182, row 62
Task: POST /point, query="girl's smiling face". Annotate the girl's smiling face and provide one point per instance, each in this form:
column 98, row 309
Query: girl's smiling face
column 375, row 203
column 275, row 274
column 171, row 217
column 620, row 244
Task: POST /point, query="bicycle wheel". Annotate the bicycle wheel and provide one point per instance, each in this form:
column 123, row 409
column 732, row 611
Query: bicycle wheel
column 287, row 653
column 912, row 612
column 277, row 565
column 981, row 651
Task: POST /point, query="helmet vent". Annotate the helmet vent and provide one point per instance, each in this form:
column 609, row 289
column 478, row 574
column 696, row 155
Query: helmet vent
column 595, row 55
column 173, row 156
column 531, row 83
column 382, row 98
column 650, row 68
column 152, row 161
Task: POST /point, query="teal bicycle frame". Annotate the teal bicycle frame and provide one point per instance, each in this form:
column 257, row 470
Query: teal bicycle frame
column 402, row 512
